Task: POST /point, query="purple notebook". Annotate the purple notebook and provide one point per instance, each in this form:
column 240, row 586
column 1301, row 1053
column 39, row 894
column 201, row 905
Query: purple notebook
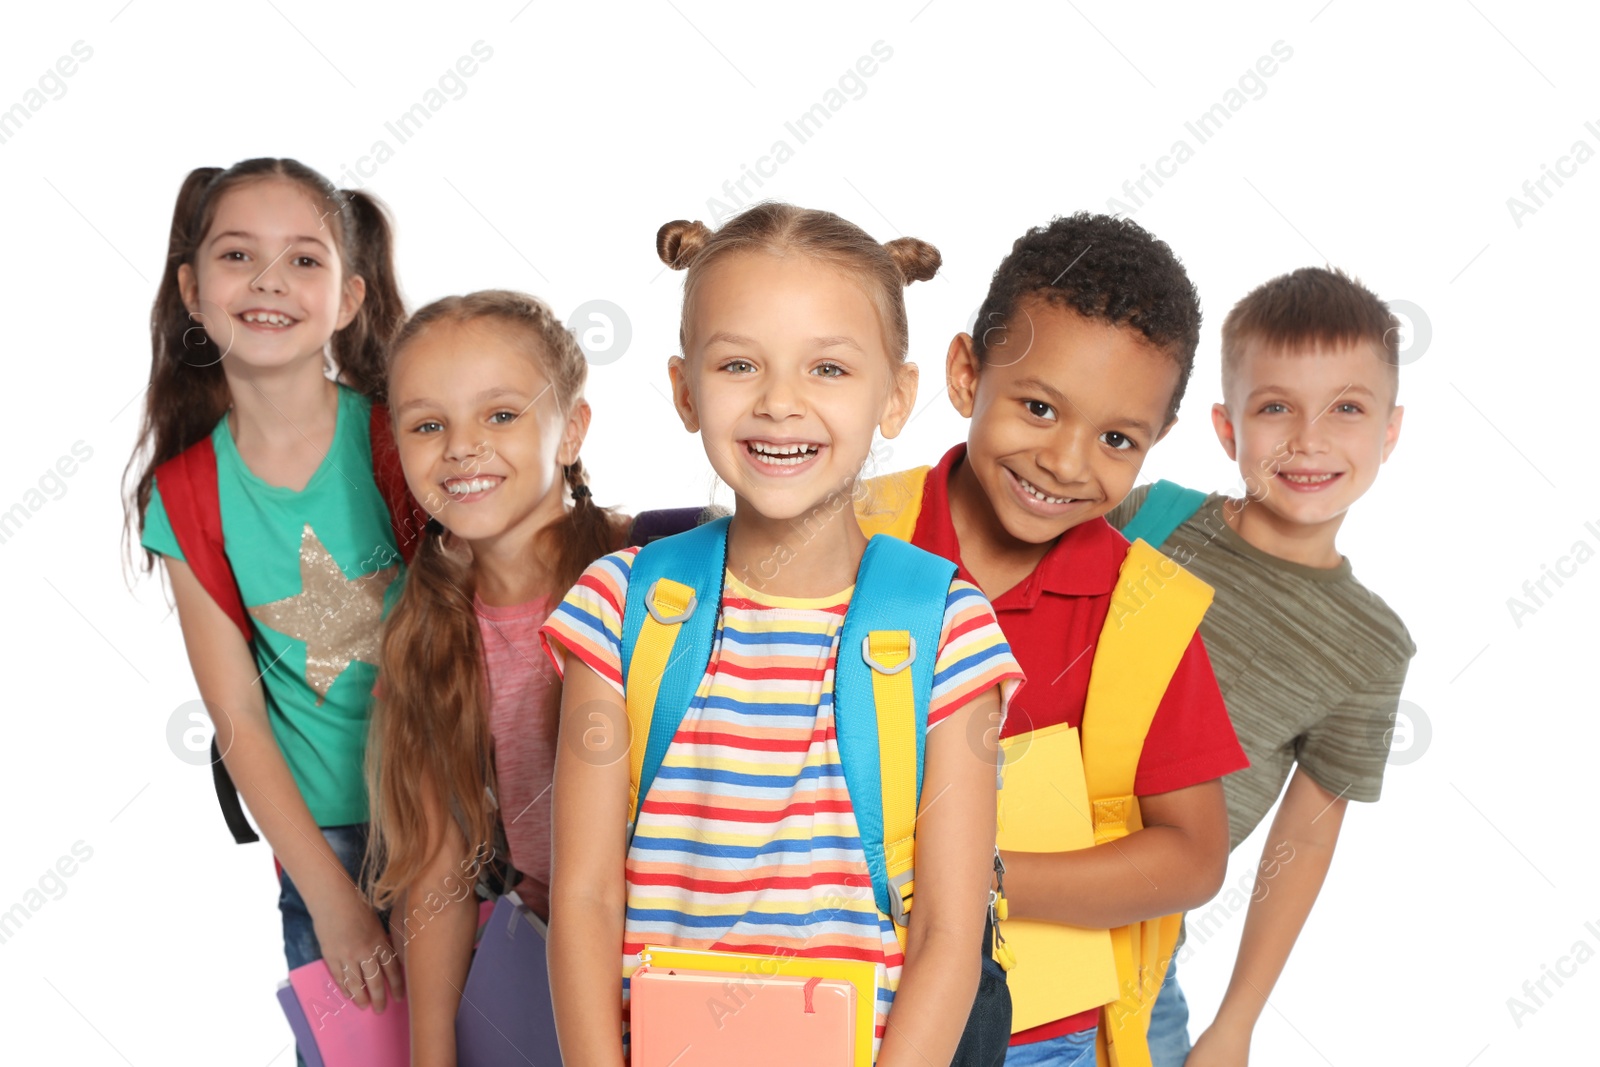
column 505, row 1019
column 304, row 1039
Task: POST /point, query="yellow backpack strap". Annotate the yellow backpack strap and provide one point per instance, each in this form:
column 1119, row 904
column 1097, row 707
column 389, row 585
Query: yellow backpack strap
column 666, row 643
column 669, row 604
column 889, row 653
column 1155, row 610
column 890, row 503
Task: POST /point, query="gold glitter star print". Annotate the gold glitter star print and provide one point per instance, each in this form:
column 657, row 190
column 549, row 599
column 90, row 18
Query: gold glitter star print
column 337, row 617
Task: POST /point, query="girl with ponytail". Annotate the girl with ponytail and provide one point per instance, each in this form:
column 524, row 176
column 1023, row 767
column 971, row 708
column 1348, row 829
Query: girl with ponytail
column 489, row 416
column 254, row 483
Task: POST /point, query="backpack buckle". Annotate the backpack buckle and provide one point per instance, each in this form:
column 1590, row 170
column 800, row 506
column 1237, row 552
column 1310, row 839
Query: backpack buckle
column 900, row 894
column 674, row 596
column 876, row 664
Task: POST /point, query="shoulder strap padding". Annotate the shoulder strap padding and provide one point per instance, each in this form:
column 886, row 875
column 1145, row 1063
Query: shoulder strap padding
column 1155, row 610
column 1166, row 507
column 662, row 663
column 188, row 484
column 891, row 503
column 899, row 588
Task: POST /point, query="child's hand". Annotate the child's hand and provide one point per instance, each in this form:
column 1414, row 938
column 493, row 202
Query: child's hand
column 358, row 953
column 1221, row 1046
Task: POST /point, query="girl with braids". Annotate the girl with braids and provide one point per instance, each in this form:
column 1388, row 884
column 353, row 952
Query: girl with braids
column 489, row 416
column 254, row 482
column 793, row 353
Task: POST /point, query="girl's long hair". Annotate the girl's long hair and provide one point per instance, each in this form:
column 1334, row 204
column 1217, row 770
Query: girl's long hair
column 188, row 392
column 429, row 738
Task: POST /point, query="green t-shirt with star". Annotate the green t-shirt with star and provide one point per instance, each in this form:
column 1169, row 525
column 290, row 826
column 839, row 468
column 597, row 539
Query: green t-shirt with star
column 317, row 570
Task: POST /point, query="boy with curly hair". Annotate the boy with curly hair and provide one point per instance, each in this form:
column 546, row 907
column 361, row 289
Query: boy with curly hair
column 1073, row 371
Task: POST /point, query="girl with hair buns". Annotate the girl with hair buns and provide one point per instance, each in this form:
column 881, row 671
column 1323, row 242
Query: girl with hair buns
column 793, row 343
column 489, row 416
column 254, row 482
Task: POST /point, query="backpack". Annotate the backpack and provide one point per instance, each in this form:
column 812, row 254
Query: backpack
column 673, row 603
column 1154, row 613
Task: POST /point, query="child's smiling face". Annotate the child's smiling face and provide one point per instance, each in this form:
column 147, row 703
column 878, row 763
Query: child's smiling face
column 268, row 283
column 785, row 376
column 480, row 434
column 1309, row 429
column 1064, row 411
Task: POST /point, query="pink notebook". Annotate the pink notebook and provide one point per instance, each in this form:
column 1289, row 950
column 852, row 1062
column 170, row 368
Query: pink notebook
column 685, row 1018
column 345, row 1035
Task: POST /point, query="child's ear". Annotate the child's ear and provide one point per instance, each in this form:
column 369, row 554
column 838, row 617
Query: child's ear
column 682, row 396
column 961, row 370
column 1164, row 431
column 188, row 287
column 1223, row 424
column 576, row 430
column 350, row 300
column 1391, row 433
column 902, row 400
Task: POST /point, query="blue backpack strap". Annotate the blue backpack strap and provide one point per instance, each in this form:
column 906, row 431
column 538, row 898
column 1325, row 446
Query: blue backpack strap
column 898, row 587
column 1167, row 507
column 695, row 558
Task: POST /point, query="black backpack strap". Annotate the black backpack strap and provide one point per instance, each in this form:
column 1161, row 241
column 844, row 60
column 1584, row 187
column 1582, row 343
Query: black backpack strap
column 228, row 800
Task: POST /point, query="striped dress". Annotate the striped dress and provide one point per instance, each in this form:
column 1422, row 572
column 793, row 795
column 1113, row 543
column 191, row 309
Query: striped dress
column 747, row 841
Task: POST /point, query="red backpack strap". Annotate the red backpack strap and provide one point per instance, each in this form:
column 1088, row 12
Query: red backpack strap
column 188, row 484
column 405, row 515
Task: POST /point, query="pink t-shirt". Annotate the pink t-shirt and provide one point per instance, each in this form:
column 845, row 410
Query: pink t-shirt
column 524, row 695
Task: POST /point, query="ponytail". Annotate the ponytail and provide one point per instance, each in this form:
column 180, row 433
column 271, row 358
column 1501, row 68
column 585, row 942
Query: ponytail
column 362, row 346
column 429, row 738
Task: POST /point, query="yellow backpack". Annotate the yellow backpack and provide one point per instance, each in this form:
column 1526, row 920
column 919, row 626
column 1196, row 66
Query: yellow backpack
column 1154, row 613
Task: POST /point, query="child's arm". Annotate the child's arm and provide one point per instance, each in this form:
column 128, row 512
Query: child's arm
column 1293, row 866
column 1175, row 863
column 588, row 890
column 352, row 939
column 438, row 950
column 955, row 864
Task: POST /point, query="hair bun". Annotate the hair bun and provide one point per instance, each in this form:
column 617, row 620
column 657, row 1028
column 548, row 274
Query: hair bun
column 918, row 260
column 678, row 242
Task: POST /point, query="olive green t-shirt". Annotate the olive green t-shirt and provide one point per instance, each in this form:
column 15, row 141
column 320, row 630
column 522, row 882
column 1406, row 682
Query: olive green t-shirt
column 316, row 569
column 1310, row 663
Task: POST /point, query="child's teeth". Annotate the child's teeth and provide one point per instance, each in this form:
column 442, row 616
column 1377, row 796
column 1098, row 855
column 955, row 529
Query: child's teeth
column 1033, row 491
column 783, row 455
column 475, row 485
column 270, row 318
column 1307, row 479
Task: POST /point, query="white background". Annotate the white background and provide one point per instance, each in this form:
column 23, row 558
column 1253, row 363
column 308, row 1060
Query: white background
column 1387, row 144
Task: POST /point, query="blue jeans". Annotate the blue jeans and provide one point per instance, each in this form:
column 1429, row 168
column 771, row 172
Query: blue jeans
column 1068, row 1050
column 300, row 946
column 1169, row 1023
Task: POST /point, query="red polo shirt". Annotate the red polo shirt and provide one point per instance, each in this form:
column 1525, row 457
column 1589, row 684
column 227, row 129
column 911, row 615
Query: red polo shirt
column 1052, row 620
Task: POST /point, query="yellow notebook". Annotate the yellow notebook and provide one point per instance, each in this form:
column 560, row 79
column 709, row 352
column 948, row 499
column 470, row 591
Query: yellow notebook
column 753, row 969
column 1044, row 807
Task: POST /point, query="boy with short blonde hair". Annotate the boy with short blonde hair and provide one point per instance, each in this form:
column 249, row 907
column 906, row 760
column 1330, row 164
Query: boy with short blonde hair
column 1310, row 662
